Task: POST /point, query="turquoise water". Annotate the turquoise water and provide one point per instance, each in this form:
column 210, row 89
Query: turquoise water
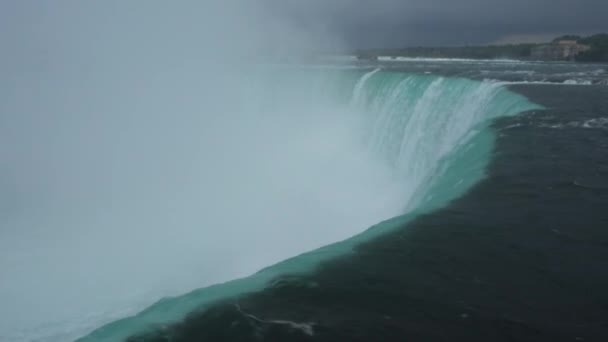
column 432, row 135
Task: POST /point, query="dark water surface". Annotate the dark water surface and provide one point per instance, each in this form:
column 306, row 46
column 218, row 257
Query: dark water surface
column 522, row 257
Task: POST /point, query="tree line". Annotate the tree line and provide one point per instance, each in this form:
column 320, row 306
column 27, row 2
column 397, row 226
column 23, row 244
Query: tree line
column 598, row 51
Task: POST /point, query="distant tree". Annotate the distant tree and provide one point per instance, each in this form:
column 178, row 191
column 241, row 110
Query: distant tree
column 567, row 37
column 597, row 40
column 598, row 51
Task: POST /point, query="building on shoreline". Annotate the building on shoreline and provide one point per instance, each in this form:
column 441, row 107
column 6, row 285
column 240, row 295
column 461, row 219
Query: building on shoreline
column 558, row 51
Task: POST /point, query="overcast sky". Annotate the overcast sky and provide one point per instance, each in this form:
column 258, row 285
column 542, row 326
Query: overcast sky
column 355, row 23
column 396, row 23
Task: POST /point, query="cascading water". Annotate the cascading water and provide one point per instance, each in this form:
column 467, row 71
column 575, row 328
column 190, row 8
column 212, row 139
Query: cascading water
column 294, row 160
column 411, row 123
column 415, row 121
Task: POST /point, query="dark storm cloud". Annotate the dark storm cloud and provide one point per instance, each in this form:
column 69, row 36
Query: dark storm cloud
column 443, row 22
column 357, row 23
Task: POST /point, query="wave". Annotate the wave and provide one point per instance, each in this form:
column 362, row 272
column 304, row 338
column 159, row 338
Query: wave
column 439, row 59
column 558, row 82
column 595, row 123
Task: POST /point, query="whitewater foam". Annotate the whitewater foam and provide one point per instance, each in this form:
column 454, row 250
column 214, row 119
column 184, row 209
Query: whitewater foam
column 578, row 82
column 426, row 135
column 306, row 328
column 146, row 195
column 448, row 60
column 595, row 123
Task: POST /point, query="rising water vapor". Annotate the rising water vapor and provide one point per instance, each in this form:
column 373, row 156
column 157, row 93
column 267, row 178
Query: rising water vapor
column 362, row 147
column 131, row 166
column 146, row 152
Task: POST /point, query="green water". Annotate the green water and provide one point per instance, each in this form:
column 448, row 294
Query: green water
column 434, row 133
